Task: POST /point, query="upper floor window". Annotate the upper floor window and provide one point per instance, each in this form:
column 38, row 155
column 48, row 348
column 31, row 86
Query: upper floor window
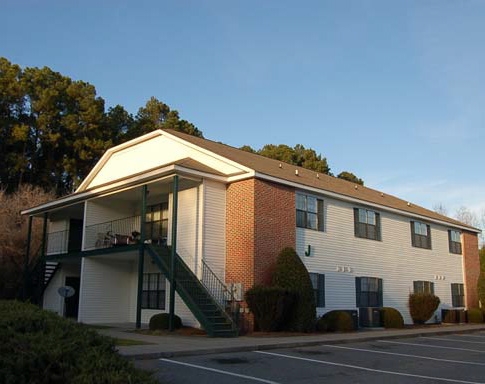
column 318, row 283
column 368, row 292
column 454, row 239
column 156, row 223
column 423, row 287
column 457, row 295
column 309, row 212
column 367, row 224
column 420, row 235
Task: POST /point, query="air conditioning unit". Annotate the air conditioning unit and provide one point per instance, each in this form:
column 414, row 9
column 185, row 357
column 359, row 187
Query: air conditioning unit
column 370, row 317
column 453, row 316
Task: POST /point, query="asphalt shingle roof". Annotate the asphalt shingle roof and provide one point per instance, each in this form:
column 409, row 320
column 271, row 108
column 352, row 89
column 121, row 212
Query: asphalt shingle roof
column 308, row 178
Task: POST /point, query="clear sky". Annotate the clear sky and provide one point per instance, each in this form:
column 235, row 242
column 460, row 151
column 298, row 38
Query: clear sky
column 393, row 91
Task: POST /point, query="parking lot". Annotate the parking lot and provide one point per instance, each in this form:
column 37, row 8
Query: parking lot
column 452, row 358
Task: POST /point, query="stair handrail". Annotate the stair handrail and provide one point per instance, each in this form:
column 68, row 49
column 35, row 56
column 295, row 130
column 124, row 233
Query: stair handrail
column 221, row 293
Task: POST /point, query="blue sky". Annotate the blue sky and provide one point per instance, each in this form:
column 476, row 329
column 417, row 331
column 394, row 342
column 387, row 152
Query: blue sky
column 393, row 91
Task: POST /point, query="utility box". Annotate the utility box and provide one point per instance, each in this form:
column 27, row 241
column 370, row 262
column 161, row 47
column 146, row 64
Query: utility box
column 453, row 316
column 370, row 317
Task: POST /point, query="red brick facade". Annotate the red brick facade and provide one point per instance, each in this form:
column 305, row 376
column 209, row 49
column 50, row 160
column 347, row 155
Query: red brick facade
column 471, row 268
column 260, row 222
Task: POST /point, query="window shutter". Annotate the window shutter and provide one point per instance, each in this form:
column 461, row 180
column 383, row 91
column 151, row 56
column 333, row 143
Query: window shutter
column 429, row 236
column 413, row 237
column 357, row 292
column 356, row 222
column 380, row 292
column 378, row 226
column 321, row 290
column 321, row 216
column 450, row 242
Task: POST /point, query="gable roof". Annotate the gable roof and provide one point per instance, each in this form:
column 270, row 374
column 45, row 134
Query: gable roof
column 302, row 178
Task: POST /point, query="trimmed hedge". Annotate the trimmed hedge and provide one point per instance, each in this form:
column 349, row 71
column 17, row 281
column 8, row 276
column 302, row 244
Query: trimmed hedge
column 422, row 306
column 475, row 315
column 160, row 321
column 38, row 346
column 271, row 307
column 335, row 321
column 391, row 318
column 290, row 273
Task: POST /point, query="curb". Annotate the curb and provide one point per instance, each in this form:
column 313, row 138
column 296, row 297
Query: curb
column 297, row 344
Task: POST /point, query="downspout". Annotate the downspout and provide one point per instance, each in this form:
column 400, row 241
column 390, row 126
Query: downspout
column 25, row 293
column 173, row 253
column 141, row 255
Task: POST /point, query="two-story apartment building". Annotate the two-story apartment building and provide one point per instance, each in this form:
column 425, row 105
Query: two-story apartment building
column 221, row 216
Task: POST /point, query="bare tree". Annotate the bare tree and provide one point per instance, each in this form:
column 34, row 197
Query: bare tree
column 13, row 236
column 466, row 216
column 441, row 209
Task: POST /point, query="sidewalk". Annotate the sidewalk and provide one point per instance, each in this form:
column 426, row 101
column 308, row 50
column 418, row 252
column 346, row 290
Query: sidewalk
column 176, row 345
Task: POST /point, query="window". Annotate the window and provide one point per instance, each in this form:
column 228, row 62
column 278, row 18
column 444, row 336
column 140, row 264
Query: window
column 153, row 294
column 318, row 283
column 420, row 235
column 423, row 287
column 457, row 295
column 309, row 212
column 156, row 223
column 367, row 224
column 368, row 292
column 454, row 238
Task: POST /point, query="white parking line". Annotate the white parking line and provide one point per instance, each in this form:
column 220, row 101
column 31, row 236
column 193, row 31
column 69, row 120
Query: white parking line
column 446, row 339
column 368, row 369
column 429, row 346
column 404, row 355
column 466, row 335
column 220, row 371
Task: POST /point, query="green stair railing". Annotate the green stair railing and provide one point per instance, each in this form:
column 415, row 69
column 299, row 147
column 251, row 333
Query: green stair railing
column 209, row 312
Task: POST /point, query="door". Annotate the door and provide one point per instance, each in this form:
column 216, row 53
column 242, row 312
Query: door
column 75, row 235
column 71, row 304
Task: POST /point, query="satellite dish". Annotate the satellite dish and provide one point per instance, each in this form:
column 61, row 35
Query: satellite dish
column 66, row 291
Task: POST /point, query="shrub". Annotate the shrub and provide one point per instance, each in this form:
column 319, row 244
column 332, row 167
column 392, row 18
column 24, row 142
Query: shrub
column 38, row 346
column 271, row 307
column 422, row 306
column 290, row 273
column 161, row 321
column 335, row 321
column 475, row 315
column 391, row 318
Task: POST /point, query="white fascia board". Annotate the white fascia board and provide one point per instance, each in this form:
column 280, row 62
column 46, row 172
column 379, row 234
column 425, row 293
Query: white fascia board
column 109, row 152
column 362, row 202
column 207, row 152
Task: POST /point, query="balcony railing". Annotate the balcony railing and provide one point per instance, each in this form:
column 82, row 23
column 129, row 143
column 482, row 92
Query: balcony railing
column 112, row 233
column 57, row 242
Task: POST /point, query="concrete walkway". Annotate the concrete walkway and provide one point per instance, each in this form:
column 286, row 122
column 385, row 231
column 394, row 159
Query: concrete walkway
column 177, row 345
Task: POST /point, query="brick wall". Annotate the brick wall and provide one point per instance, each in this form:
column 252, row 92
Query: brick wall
column 275, row 226
column 260, row 222
column 471, row 266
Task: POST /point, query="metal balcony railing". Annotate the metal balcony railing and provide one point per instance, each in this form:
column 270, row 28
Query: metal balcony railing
column 112, row 233
column 57, row 242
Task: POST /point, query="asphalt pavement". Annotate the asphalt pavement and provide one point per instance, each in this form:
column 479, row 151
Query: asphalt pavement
column 168, row 346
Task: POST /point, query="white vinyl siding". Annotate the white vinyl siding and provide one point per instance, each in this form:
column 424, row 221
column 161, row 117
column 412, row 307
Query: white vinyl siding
column 147, row 155
column 214, row 227
column 341, row 256
column 57, row 236
column 52, row 301
column 105, row 290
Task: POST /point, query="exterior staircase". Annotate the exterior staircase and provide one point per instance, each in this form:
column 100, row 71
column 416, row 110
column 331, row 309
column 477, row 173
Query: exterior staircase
column 210, row 314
